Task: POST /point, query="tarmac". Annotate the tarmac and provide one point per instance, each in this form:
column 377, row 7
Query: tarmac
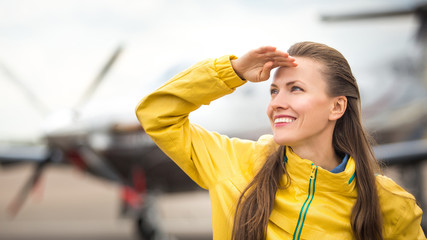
column 72, row 205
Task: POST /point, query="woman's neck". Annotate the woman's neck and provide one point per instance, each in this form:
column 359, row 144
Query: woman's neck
column 322, row 156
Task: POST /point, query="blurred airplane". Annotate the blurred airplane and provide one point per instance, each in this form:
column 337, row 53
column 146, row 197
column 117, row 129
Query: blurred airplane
column 116, row 152
column 123, row 153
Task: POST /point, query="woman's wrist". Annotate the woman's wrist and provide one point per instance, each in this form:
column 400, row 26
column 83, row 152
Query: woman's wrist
column 235, row 65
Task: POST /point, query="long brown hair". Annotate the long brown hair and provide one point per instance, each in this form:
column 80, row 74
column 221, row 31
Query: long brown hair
column 257, row 200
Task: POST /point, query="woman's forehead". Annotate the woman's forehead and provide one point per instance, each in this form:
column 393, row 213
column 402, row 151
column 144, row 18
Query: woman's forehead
column 308, row 71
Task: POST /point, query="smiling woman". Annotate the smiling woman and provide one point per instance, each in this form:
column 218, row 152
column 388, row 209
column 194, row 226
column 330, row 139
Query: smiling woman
column 315, row 177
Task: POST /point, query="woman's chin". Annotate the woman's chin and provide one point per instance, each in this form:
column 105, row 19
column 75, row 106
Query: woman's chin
column 283, row 141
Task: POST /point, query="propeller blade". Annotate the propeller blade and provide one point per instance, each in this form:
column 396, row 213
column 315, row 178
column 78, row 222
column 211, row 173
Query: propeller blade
column 32, row 97
column 19, row 200
column 95, row 83
column 55, row 155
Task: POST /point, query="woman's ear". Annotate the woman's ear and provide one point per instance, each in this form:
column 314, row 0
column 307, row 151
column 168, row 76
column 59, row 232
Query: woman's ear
column 338, row 108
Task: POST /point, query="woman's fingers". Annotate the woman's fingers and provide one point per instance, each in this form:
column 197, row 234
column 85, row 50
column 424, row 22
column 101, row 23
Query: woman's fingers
column 279, row 59
column 256, row 64
column 288, row 62
column 265, row 73
column 265, row 49
column 274, row 54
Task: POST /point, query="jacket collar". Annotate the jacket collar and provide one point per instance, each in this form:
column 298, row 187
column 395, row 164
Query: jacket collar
column 300, row 169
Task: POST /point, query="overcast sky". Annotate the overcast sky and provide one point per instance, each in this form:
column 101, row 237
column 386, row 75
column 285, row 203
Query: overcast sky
column 56, row 48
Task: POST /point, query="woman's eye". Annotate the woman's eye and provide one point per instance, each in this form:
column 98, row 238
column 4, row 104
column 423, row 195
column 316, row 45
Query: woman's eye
column 274, row 91
column 296, row 88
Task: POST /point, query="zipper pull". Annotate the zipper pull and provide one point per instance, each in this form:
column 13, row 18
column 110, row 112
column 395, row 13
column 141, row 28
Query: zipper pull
column 313, row 171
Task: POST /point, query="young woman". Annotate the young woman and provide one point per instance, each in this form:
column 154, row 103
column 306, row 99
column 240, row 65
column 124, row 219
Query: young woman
column 316, row 177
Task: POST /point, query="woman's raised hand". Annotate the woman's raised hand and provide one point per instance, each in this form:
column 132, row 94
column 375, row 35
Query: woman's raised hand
column 255, row 66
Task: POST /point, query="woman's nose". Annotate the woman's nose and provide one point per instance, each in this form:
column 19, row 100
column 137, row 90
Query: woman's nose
column 279, row 101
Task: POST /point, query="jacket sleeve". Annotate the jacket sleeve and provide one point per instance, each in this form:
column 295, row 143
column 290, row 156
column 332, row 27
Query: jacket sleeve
column 409, row 223
column 163, row 114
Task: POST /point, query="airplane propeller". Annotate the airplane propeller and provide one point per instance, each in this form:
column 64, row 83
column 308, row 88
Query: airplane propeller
column 53, row 154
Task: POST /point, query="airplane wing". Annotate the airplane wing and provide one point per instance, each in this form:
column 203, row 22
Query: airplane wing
column 385, row 11
column 402, row 152
column 10, row 154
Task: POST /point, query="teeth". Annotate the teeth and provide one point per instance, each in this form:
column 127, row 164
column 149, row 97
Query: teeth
column 283, row 120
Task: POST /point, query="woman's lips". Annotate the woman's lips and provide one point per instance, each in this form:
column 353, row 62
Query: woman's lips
column 283, row 120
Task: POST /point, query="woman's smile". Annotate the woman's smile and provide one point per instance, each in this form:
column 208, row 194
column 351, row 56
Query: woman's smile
column 283, row 120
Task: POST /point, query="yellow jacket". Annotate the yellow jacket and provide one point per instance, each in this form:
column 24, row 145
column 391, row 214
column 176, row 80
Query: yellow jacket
column 317, row 209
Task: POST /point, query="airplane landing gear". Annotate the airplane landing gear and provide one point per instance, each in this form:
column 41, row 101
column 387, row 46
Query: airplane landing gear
column 147, row 223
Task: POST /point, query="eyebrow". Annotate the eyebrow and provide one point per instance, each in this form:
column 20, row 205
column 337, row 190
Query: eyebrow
column 287, row 84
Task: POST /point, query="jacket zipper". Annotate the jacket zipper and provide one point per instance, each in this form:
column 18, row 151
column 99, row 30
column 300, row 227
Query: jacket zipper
column 306, row 205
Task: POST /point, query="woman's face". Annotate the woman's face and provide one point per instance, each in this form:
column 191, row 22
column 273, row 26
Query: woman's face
column 300, row 108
